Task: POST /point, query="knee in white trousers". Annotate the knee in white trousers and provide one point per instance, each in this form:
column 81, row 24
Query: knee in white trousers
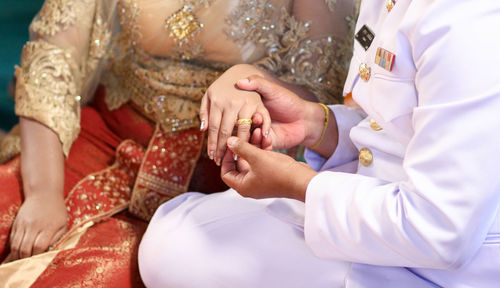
column 225, row 240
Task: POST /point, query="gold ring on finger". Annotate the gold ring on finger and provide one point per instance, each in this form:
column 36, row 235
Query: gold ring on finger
column 244, row 121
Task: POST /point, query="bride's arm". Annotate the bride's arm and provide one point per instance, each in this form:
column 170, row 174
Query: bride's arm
column 48, row 94
column 41, row 220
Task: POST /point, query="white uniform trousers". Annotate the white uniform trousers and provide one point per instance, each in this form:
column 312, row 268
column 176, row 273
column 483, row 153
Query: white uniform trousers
column 225, row 240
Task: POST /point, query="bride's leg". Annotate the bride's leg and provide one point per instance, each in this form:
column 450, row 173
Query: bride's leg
column 225, row 240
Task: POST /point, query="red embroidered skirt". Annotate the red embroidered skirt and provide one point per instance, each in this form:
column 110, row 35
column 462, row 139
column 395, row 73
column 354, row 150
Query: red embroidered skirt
column 100, row 173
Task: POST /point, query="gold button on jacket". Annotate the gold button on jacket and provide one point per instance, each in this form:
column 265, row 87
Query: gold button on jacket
column 374, row 125
column 365, row 157
column 364, row 72
column 389, row 5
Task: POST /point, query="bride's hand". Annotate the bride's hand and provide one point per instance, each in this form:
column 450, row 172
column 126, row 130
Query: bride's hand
column 40, row 222
column 224, row 104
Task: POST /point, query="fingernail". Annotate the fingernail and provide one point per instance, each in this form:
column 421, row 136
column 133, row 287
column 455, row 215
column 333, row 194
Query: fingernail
column 211, row 155
column 232, row 141
column 217, row 162
column 235, row 157
column 243, row 81
column 266, row 134
column 202, row 125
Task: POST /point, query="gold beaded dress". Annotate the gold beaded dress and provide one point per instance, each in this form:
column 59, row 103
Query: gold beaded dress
column 120, row 83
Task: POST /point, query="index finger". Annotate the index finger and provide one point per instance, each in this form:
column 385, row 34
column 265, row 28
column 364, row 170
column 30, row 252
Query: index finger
column 264, row 87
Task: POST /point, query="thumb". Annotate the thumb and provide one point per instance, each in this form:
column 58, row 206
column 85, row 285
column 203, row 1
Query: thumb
column 264, row 87
column 244, row 149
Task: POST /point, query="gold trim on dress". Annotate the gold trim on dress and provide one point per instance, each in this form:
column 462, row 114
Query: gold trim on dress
column 166, row 169
column 46, row 89
column 168, row 91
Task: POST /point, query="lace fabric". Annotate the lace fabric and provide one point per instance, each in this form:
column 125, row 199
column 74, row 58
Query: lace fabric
column 313, row 54
column 68, row 41
column 55, row 15
column 47, row 90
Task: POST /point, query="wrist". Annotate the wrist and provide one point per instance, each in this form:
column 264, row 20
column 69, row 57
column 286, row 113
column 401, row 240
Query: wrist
column 42, row 160
column 242, row 71
column 45, row 195
column 42, row 184
column 36, row 180
column 302, row 182
column 323, row 131
column 314, row 124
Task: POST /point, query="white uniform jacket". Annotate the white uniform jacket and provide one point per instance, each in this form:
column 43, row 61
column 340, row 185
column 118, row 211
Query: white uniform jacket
column 423, row 212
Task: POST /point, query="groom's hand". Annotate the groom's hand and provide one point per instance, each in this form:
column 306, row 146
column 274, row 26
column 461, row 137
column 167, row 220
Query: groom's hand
column 295, row 121
column 263, row 174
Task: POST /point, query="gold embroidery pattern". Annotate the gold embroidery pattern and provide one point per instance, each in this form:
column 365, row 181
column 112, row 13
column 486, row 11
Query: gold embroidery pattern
column 183, row 27
column 10, row 145
column 103, row 257
column 100, row 39
column 291, row 57
column 320, row 65
column 55, row 15
column 128, row 10
column 46, row 90
column 103, row 193
column 166, row 170
column 168, row 90
column 183, row 24
column 250, row 21
column 288, row 32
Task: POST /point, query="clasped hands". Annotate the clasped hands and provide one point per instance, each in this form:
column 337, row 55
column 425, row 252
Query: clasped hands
column 281, row 119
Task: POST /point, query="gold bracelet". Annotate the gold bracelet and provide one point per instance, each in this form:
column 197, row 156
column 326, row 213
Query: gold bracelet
column 327, row 119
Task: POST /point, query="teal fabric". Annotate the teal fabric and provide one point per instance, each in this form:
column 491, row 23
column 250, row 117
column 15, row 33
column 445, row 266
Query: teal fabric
column 15, row 17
